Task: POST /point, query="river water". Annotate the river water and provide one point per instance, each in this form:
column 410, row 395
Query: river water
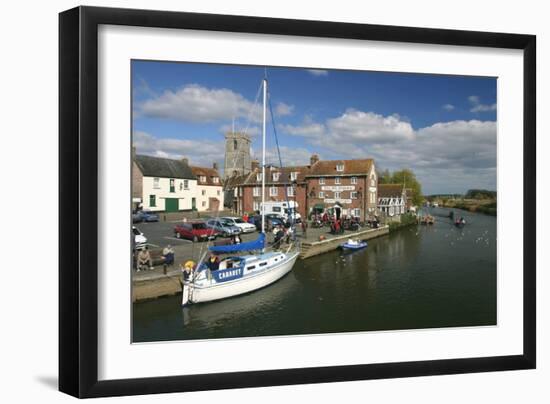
column 417, row 277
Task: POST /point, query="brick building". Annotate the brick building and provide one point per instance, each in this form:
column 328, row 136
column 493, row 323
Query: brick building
column 350, row 184
column 282, row 184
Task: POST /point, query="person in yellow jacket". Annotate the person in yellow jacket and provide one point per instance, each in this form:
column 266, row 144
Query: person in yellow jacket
column 187, row 269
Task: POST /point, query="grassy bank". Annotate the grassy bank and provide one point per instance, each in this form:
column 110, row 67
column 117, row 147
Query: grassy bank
column 488, row 207
column 407, row 219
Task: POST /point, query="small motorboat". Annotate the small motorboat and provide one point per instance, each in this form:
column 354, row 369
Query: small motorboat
column 353, row 244
column 460, row 222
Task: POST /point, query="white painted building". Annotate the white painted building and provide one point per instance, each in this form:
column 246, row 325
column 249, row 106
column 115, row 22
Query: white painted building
column 392, row 199
column 210, row 195
column 163, row 185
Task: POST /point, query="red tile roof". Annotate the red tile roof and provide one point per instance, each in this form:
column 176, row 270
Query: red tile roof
column 209, row 173
column 351, row 167
column 390, row 190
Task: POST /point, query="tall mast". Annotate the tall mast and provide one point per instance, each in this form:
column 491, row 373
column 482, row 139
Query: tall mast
column 262, row 207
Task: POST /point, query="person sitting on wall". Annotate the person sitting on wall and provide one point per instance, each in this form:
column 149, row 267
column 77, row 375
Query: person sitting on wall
column 144, row 259
column 168, row 254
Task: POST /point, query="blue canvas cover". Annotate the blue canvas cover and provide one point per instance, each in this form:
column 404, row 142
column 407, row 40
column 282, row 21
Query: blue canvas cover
column 257, row 244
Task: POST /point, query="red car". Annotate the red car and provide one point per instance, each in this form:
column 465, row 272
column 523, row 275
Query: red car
column 195, row 230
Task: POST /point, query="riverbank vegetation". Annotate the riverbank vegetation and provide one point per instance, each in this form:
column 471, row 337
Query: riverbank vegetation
column 475, row 200
column 407, row 178
column 407, row 219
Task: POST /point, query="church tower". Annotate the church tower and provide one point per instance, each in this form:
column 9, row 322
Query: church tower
column 237, row 154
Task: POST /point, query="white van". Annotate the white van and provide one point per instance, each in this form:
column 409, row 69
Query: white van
column 284, row 209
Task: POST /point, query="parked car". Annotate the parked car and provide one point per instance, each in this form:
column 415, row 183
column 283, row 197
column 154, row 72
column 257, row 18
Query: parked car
column 139, row 238
column 137, row 217
column 223, row 227
column 270, row 221
column 195, row 230
column 240, row 223
column 277, row 220
column 149, row 216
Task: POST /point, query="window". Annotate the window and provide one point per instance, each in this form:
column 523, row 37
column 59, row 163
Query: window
column 293, row 176
column 216, row 180
column 203, row 178
column 372, row 197
column 340, row 167
column 290, row 191
column 372, row 181
column 218, row 192
column 259, row 177
column 203, row 192
column 156, row 183
column 321, row 181
column 172, row 185
column 256, row 191
column 276, row 176
column 357, row 212
column 256, row 205
column 337, row 180
column 354, row 180
column 276, row 209
column 337, row 195
column 152, row 201
column 235, row 145
column 185, row 184
column 353, row 195
column 273, row 191
column 203, row 204
column 321, row 195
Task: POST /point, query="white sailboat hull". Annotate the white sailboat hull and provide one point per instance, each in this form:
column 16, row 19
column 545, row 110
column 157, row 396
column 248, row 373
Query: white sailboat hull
column 198, row 294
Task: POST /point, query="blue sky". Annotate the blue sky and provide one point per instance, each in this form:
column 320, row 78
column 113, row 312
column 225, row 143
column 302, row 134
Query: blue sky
column 442, row 127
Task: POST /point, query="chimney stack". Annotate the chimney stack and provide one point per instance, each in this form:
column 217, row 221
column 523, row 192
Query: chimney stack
column 254, row 164
column 185, row 161
column 313, row 159
column 215, row 166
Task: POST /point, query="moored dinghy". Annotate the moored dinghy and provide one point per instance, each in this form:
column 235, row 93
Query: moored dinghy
column 353, row 244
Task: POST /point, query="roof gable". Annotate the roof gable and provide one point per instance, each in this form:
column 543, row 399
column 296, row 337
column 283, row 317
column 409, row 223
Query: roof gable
column 350, row 167
column 165, row 168
column 208, row 173
column 390, row 190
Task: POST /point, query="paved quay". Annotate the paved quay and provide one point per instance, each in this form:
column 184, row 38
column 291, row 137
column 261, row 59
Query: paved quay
column 156, row 283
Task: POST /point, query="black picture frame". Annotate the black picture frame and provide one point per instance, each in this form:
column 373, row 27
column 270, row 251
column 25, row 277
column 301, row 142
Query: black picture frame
column 78, row 196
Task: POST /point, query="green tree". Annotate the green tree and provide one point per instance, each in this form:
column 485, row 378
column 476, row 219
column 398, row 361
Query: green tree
column 385, row 177
column 408, row 179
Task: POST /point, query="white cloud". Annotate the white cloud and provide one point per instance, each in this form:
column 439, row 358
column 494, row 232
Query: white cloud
column 199, row 152
column 290, row 156
column 368, row 126
column 250, row 130
column 448, row 107
column 283, row 109
column 317, row 72
column 197, row 104
column 477, row 106
column 447, row 156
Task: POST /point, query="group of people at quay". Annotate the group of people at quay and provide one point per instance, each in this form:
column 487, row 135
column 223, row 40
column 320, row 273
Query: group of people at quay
column 339, row 223
column 144, row 259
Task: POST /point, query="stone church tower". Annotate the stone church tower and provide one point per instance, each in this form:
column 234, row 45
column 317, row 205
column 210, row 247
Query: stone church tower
column 237, row 154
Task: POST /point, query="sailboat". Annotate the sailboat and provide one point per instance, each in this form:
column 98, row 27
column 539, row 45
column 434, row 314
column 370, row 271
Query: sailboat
column 235, row 274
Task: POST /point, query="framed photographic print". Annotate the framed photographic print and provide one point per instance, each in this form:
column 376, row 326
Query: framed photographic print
column 252, row 201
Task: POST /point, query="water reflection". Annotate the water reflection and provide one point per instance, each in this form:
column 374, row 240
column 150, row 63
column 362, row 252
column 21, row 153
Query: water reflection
column 421, row 276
